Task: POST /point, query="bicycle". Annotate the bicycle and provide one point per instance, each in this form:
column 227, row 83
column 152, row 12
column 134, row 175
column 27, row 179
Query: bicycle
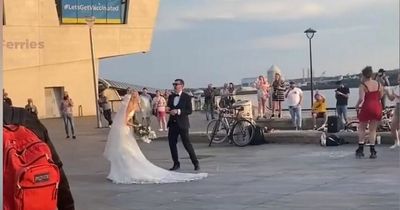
column 230, row 125
column 385, row 125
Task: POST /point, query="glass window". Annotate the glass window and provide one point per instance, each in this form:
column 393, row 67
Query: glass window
column 105, row 11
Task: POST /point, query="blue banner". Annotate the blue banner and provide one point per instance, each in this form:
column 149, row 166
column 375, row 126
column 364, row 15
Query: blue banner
column 105, row 11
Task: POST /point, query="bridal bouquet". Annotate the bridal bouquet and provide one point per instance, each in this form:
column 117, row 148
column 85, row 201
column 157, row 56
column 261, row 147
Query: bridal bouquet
column 145, row 133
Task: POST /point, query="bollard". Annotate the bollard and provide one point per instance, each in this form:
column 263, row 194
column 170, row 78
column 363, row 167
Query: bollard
column 80, row 111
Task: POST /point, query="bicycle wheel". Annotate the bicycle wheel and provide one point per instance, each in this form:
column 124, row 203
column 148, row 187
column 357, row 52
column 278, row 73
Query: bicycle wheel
column 385, row 125
column 352, row 126
column 216, row 131
column 242, row 132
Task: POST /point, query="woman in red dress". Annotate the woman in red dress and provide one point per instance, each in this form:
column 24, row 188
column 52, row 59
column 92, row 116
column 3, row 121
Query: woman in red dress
column 370, row 112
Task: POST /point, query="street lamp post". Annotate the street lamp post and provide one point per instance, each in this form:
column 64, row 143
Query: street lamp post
column 310, row 34
column 90, row 22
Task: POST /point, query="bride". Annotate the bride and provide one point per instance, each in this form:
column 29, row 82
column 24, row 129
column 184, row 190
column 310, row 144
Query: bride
column 128, row 164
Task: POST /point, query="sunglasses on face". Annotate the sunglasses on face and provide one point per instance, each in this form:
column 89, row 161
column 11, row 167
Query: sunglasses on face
column 175, row 84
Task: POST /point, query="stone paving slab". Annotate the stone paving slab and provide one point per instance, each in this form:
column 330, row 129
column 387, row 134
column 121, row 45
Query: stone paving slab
column 269, row 176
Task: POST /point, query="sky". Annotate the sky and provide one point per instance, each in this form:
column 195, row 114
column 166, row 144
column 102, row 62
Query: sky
column 218, row 41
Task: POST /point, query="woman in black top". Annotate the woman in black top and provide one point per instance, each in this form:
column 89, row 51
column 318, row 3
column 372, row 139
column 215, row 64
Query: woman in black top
column 278, row 94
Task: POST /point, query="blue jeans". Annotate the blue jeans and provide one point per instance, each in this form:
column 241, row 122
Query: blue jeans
column 295, row 113
column 342, row 114
column 69, row 120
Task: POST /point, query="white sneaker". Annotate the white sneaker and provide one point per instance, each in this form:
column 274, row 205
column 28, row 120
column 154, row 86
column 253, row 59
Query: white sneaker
column 160, row 129
column 393, row 146
column 166, row 129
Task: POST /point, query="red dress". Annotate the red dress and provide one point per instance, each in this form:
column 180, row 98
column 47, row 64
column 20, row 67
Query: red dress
column 371, row 108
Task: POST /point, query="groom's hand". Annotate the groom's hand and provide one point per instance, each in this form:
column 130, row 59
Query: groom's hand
column 173, row 112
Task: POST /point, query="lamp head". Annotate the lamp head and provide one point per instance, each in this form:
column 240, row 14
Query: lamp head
column 310, row 33
column 90, row 21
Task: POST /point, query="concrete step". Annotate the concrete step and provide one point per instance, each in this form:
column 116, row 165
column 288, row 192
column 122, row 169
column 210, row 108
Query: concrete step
column 295, row 137
column 314, row 137
column 286, row 123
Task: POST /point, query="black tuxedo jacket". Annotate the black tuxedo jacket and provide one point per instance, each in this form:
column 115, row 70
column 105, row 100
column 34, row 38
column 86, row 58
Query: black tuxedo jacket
column 185, row 105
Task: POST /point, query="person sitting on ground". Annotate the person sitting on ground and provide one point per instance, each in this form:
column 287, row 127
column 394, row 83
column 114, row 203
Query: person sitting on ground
column 319, row 110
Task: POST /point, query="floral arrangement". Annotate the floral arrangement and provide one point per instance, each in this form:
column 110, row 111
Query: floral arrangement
column 144, row 133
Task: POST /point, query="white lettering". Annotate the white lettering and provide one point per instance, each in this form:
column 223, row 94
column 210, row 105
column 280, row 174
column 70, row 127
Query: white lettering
column 83, row 7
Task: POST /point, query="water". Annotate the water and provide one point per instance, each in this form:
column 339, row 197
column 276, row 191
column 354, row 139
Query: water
column 329, row 95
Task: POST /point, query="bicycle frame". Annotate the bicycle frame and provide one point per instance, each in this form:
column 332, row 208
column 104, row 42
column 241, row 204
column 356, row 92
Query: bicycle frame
column 228, row 124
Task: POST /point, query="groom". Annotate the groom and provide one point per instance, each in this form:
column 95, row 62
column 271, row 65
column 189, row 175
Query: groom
column 180, row 107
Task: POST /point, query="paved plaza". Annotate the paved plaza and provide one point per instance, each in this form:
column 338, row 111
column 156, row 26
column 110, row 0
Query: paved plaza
column 270, row 176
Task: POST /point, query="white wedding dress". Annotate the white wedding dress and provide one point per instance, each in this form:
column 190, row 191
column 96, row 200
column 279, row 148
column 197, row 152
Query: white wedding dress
column 128, row 164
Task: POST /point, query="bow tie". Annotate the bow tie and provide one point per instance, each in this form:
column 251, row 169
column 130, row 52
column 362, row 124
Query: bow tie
column 175, row 95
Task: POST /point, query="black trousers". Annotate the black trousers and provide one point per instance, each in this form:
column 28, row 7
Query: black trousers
column 107, row 115
column 173, row 133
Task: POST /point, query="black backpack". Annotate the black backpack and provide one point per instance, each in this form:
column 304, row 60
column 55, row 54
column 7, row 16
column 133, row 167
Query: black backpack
column 332, row 140
column 258, row 137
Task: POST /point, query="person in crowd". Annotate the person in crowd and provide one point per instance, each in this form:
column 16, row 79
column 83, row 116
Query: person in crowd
column 105, row 106
column 394, row 95
column 224, row 93
column 278, row 94
column 294, row 97
column 383, row 79
column 231, row 94
column 209, row 101
column 159, row 104
column 369, row 109
column 67, row 114
column 6, row 99
column 342, row 97
column 166, row 94
column 262, row 95
column 319, row 110
column 145, row 107
column 31, row 108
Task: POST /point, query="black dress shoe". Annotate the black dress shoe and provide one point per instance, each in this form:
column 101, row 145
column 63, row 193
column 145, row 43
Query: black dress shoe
column 197, row 167
column 175, row 167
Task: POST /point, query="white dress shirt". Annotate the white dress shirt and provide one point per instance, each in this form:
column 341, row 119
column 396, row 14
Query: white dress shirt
column 176, row 101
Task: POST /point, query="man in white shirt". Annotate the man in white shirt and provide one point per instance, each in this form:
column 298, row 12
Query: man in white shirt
column 294, row 98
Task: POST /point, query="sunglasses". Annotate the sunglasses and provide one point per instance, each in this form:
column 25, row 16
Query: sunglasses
column 175, row 84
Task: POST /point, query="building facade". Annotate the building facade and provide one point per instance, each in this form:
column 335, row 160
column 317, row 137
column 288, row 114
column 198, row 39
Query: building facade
column 47, row 51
